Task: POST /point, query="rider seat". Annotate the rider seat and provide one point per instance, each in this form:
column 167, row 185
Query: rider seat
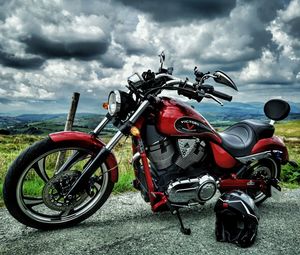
column 240, row 138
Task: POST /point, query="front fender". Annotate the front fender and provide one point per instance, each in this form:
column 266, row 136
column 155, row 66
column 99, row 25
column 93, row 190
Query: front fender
column 87, row 140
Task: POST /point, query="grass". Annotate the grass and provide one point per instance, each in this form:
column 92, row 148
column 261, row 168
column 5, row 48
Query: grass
column 288, row 129
column 291, row 132
column 11, row 146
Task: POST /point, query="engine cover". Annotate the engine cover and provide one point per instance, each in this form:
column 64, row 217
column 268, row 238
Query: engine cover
column 193, row 190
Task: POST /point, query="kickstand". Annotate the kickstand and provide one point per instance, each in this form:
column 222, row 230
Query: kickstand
column 185, row 231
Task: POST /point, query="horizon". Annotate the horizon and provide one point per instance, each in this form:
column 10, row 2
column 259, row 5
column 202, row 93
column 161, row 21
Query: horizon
column 295, row 108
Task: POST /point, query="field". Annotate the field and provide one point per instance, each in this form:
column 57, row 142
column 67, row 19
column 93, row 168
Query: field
column 12, row 145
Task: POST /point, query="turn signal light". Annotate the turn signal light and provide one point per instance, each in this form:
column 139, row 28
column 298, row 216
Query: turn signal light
column 105, row 105
column 135, row 131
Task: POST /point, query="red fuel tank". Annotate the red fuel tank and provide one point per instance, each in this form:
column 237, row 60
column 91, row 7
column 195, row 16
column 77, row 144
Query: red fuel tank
column 179, row 119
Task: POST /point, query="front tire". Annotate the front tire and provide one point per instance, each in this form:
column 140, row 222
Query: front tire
column 34, row 202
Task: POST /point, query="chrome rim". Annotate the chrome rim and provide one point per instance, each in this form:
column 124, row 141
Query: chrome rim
column 31, row 184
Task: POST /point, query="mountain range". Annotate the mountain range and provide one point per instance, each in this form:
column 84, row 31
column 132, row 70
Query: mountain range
column 219, row 116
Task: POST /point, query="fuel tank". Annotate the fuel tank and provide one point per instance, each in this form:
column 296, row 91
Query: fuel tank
column 176, row 118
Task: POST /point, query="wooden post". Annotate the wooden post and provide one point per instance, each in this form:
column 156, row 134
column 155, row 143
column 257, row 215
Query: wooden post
column 72, row 112
column 68, row 126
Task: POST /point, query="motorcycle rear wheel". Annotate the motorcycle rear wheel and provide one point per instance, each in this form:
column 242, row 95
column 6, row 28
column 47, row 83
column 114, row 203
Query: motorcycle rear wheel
column 34, row 185
column 264, row 168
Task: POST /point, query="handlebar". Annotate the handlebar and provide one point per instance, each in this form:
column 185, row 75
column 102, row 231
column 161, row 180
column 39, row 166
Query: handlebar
column 189, row 90
column 221, row 95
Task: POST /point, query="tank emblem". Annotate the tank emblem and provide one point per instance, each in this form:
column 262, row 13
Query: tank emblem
column 189, row 125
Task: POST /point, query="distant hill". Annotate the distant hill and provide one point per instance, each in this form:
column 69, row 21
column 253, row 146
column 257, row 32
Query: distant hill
column 42, row 124
column 219, row 116
column 238, row 111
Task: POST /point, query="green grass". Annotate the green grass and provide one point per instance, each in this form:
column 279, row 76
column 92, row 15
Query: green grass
column 288, row 173
column 288, row 128
column 11, row 146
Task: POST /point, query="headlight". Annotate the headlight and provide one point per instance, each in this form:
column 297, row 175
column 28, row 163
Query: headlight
column 114, row 102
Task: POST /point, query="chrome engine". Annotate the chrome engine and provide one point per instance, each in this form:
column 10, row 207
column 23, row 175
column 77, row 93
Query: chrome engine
column 189, row 191
column 178, row 168
column 161, row 153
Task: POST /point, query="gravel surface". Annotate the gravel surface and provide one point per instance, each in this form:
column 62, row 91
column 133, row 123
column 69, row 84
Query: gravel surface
column 126, row 225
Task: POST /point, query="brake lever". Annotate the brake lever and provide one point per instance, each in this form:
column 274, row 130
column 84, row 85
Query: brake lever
column 214, row 98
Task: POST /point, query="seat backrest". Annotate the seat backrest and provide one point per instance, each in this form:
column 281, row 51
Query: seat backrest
column 277, row 109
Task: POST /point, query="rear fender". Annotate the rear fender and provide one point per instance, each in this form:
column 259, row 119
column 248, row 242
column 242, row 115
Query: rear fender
column 271, row 144
column 87, row 140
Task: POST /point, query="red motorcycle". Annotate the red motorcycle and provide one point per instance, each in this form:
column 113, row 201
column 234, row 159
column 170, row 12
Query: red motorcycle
column 179, row 159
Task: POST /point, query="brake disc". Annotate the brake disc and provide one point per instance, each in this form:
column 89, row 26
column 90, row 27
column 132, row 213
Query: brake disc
column 56, row 189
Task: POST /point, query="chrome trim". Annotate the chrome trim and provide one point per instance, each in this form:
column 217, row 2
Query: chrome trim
column 164, row 75
column 139, row 111
column 118, row 102
column 207, row 95
column 101, row 125
column 116, row 138
column 254, row 157
column 135, row 157
column 188, row 190
column 173, row 80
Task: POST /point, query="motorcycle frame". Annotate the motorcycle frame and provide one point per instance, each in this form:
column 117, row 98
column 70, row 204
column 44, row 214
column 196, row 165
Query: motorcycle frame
column 157, row 199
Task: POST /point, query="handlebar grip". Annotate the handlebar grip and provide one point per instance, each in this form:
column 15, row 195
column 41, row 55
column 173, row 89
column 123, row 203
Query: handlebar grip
column 221, row 95
column 189, row 92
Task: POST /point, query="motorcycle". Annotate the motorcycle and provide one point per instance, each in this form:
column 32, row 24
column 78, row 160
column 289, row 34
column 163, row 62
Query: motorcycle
column 179, row 159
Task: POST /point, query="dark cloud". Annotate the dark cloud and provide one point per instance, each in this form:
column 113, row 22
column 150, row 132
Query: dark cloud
column 113, row 58
column 110, row 61
column 293, row 27
column 176, row 10
column 10, row 60
column 4, row 100
column 93, row 46
column 46, row 47
column 267, row 10
column 135, row 47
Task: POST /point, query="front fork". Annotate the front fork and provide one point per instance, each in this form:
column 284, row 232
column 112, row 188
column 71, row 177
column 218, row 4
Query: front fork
column 89, row 170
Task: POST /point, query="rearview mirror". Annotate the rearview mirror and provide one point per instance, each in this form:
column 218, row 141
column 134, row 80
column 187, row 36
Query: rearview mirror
column 221, row 77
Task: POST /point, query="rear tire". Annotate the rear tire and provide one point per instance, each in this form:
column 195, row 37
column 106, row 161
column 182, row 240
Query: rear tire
column 22, row 175
column 266, row 167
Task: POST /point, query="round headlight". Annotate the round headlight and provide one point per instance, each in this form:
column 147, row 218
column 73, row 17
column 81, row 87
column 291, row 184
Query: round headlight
column 114, row 102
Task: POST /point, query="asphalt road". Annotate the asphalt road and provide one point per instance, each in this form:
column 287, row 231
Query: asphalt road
column 126, row 225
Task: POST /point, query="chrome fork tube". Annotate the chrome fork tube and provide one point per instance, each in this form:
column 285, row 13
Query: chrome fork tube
column 112, row 143
column 105, row 151
column 101, row 125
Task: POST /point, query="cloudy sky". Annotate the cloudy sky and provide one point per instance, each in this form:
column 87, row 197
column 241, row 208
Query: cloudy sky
column 51, row 48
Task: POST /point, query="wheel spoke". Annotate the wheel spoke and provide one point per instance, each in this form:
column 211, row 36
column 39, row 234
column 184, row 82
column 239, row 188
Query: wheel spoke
column 39, row 168
column 32, row 201
column 97, row 186
column 66, row 213
column 71, row 160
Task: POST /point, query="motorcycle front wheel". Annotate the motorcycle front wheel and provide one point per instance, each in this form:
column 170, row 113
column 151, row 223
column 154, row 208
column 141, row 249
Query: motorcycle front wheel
column 38, row 180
